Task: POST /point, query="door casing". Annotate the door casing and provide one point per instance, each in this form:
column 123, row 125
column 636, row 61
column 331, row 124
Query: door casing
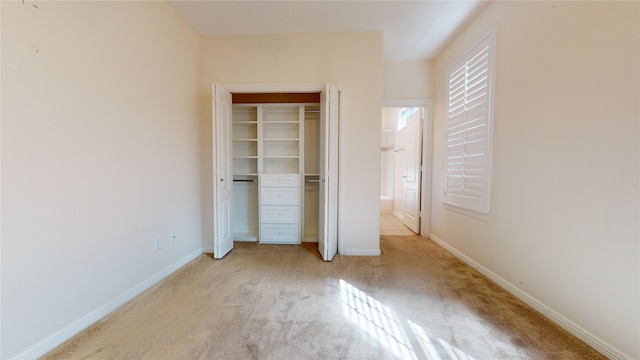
column 427, row 156
column 301, row 88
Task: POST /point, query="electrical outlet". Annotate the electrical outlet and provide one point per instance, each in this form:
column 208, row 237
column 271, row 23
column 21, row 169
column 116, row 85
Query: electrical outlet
column 172, row 237
column 157, row 243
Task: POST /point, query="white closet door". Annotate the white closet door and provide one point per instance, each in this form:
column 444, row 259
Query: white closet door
column 223, row 177
column 328, row 202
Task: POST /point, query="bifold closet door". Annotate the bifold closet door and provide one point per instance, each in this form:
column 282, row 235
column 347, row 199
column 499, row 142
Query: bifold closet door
column 222, row 171
column 328, row 190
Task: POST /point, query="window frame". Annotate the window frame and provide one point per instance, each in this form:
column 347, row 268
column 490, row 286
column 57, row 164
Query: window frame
column 455, row 198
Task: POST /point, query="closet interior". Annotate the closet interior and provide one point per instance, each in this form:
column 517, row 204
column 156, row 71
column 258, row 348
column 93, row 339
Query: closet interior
column 276, row 165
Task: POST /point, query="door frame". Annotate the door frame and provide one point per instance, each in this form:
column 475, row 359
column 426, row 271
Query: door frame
column 308, row 88
column 427, row 156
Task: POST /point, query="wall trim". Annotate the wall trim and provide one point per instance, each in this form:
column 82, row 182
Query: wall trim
column 68, row 332
column 398, row 214
column 595, row 342
column 273, row 87
column 362, row 252
column 478, row 215
column 407, row 102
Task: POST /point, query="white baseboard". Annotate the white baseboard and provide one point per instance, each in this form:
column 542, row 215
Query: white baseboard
column 362, row 252
column 598, row 344
column 66, row 333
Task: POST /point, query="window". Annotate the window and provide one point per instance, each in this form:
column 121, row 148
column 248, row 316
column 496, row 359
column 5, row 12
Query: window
column 469, row 129
column 404, row 115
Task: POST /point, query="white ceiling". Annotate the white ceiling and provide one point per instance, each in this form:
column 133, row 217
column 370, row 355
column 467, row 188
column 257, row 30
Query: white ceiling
column 413, row 30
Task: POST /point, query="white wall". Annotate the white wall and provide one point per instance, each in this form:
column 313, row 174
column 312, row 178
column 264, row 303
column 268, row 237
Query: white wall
column 386, row 164
column 400, row 161
column 408, row 80
column 388, row 135
column 351, row 58
column 565, row 226
column 99, row 156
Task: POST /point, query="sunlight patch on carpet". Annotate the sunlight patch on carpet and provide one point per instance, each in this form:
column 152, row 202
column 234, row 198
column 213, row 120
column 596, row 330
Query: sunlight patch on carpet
column 425, row 343
column 429, row 347
column 382, row 324
column 376, row 319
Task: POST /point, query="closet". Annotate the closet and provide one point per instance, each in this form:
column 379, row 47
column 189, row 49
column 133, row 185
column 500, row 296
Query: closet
column 275, row 166
column 275, row 172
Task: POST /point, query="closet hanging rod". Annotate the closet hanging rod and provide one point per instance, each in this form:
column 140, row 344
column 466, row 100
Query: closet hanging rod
column 312, row 181
column 244, row 180
column 312, row 111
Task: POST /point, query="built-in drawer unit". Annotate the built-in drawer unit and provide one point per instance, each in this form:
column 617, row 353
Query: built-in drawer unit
column 280, row 196
column 285, row 180
column 280, row 233
column 279, row 214
column 280, row 208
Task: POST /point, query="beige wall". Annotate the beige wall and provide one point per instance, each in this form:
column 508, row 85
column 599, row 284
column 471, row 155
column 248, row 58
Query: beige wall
column 354, row 59
column 99, row 156
column 408, row 80
column 565, row 226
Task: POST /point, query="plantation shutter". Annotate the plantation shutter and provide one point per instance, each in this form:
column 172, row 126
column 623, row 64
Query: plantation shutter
column 469, row 130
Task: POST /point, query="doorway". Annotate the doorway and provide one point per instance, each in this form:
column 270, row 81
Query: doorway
column 261, row 146
column 405, row 167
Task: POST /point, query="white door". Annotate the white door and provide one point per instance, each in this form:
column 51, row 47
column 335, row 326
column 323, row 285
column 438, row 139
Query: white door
column 412, row 176
column 222, row 172
column 328, row 211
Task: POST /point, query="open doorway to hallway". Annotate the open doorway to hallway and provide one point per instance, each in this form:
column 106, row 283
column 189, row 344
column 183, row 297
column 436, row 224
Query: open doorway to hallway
column 404, row 156
column 392, row 225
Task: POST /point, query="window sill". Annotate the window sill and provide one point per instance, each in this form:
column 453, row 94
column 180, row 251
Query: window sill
column 484, row 217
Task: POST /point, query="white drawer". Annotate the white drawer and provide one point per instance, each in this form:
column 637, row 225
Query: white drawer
column 279, row 196
column 279, row 214
column 279, row 234
column 280, row 180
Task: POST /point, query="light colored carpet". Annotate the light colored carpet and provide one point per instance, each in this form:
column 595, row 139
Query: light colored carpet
column 416, row 301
